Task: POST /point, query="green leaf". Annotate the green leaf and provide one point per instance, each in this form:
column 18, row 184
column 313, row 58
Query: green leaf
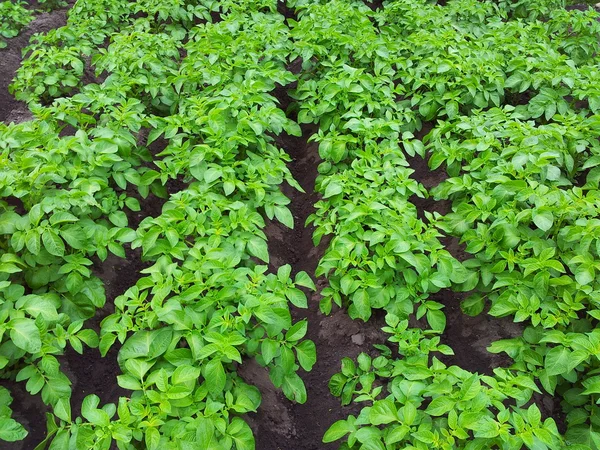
column 473, row 305
column 146, row 344
column 129, row 382
column 36, row 305
column 133, row 203
column 530, row 141
column 338, row 151
column 212, row 174
column 534, row 416
column 287, row 360
column 153, row 135
column 485, row 427
column 90, row 411
column 74, row 236
column 293, row 388
column 584, row 275
column 241, row 434
column 409, row 413
column 332, row 189
column 214, row 376
column 268, row 350
column 297, row 332
column 283, row 273
column 337, row 431
column 436, row 320
column 228, row 187
column 284, row 215
column 370, row 437
column 306, row 352
column 152, row 438
column 184, row 374
column 62, row 409
column 258, row 247
column 118, row 219
column 346, row 285
column 25, row 335
column 440, row 406
column 543, row 219
column 116, row 249
column 452, row 109
column 303, row 279
column 35, row 214
column 292, row 128
column 361, row 305
column 138, row 367
column 559, row 360
column 32, row 242
column 383, row 412
column 336, row 384
column 62, row 217
column 53, row 243
column 297, row 298
column 61, row 440
column 443, row 68
column 396, row 434
column 11, row 430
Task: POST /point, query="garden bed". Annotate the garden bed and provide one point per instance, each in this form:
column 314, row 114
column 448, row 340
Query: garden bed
column 313, row 129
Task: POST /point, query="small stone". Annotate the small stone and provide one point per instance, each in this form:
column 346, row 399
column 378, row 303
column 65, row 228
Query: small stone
column 358, row 339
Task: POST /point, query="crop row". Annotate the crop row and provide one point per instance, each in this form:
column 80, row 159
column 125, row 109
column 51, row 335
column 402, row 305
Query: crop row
column 14, row 16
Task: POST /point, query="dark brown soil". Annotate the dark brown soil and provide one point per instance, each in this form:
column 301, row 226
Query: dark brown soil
column 581, row 7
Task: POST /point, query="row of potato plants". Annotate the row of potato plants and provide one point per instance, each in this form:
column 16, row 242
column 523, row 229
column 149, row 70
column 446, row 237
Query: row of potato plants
column 15, row 15
column 528, row 217
column 206, row 301
column 370, row 81
column 529, row 220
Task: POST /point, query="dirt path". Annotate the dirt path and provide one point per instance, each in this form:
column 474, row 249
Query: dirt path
column 280, row 424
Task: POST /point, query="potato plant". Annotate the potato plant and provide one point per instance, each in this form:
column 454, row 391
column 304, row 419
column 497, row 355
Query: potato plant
column 13, row 17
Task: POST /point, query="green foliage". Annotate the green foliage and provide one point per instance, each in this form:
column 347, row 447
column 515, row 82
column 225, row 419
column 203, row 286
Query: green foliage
column 67, row 218
column 530, row 10
column 50, row 72
column 49, row 5
column 13, row 17
column 418, row 402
